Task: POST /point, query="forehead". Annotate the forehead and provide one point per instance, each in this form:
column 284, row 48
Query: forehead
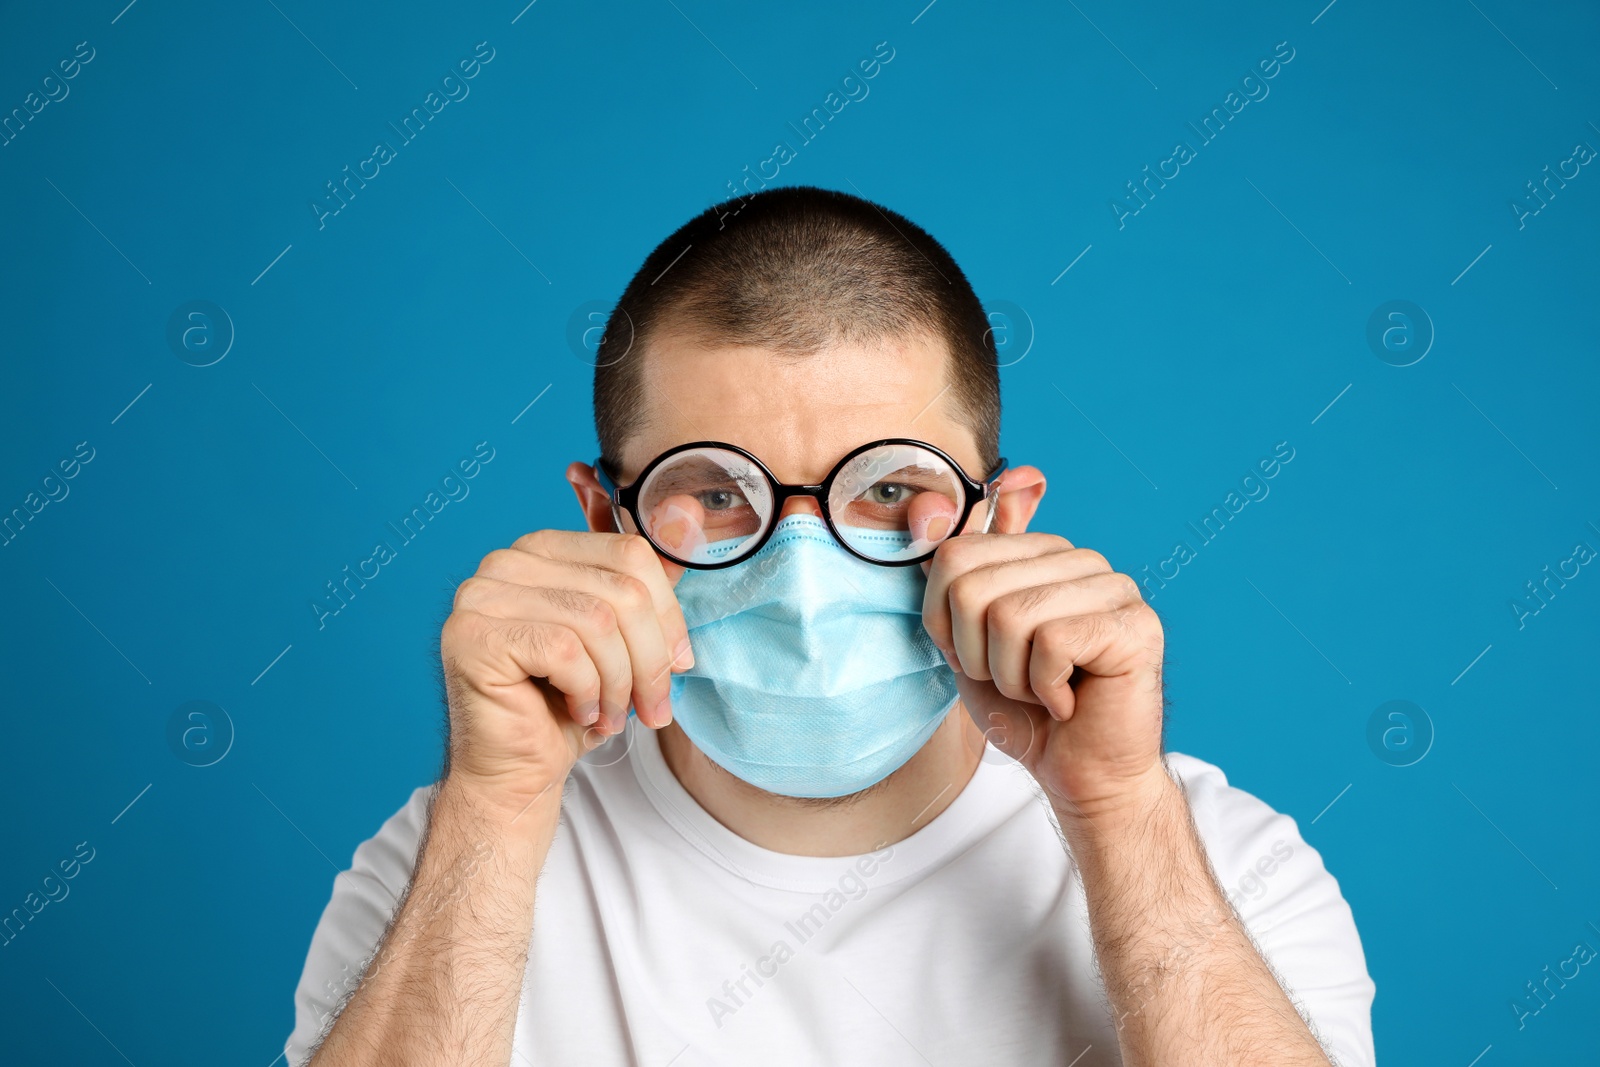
column 799, row 414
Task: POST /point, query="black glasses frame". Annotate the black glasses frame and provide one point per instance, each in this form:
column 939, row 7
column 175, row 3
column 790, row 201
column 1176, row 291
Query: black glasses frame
column 626, row 497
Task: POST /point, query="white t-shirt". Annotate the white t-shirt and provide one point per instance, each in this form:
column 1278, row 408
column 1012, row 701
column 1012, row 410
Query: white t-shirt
column 662, row 938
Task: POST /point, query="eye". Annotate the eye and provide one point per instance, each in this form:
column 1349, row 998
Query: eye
column 721, row 499
column 888, row 493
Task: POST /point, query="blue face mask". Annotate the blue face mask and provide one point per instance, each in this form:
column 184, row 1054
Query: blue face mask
column 813, row 675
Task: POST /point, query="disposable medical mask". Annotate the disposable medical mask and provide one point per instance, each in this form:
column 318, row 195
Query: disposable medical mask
column 813, row 674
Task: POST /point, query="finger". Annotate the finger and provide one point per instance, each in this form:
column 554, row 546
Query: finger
column 1013, row 617
column 601, row 563
column 628, row 554
column 1052, row 656
column 634, row 616
column 1106, row 644
column 583, row 613
column 971, row 595
column 964, row 553
column 520, row 650
column 930, row 517
column 1020, row 584
column 613, row 614
column 678, row 524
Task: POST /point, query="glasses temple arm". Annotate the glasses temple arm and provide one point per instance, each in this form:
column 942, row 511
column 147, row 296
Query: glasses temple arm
column 608, row 483
column 989, row 495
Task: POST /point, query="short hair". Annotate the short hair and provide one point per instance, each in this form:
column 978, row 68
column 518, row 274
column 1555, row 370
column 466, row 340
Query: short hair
column 795, row 269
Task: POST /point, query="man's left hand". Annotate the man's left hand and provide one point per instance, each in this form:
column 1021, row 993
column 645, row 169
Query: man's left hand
column 1058, row 661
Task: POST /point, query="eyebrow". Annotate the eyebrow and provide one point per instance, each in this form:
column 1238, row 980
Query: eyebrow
column 915, row 471
column 697, row 472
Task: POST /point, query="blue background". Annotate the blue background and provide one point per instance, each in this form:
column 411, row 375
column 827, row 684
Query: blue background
column 372, row 354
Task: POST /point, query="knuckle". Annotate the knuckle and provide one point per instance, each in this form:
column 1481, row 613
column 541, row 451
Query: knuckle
column 965, row 595
column 456, row 631
column 562, row 646
column 537, row 542
column 631, row 594
column 599, row 615
column 1097, row 563
column 556, row 647
column 1147, row 623
column 1008, row 612
column 954, row 553
column 1058, row 640
column 470, row 592
column 632, row 552
column 498, row 562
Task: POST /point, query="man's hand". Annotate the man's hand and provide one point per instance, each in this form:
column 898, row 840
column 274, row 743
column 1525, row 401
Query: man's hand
column 1058, row 661
column 547, row 646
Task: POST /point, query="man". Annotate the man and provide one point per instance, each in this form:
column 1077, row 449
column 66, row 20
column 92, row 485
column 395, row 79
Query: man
column 892, row 789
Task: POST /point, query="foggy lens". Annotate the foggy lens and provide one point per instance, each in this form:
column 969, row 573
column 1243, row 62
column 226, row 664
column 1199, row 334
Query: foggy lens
column 706, row 505
column 896, row 502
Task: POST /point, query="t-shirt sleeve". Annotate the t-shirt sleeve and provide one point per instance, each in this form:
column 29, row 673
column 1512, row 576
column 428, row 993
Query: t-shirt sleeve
column 1291, row 906
column 363, row 901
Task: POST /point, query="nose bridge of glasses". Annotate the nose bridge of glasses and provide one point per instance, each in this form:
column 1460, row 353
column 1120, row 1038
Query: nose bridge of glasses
column 800, row 500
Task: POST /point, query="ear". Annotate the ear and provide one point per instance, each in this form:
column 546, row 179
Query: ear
column 1017, row 498
column 592, row 497
column 596, row 505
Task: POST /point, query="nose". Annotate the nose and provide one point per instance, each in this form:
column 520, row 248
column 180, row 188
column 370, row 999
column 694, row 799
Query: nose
column 800, row 505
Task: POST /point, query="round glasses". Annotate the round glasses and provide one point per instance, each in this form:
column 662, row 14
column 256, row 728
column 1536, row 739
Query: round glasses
column 708, row 504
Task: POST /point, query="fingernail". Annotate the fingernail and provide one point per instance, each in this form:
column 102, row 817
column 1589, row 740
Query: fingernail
column 950, row 658
column 588, row 713
column 683, row 658
column 663, row 712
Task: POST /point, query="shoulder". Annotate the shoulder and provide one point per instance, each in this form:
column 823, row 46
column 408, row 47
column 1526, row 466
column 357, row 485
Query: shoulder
column 1233, row 823
column 391, row 853
column 1266, row 868
column 354, row 919
column 1290, row 903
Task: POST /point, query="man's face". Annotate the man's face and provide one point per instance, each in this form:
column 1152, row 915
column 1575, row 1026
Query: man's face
column 799, row 415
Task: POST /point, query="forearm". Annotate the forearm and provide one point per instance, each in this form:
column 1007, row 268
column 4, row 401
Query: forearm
column 445, row 983
column 1186, row 984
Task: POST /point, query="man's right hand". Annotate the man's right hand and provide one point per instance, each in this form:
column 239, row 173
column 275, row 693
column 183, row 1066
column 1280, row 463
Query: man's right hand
column 544, row 650
column 546, row 647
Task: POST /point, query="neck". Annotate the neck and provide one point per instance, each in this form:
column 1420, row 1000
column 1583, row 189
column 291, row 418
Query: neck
column 882, row 815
